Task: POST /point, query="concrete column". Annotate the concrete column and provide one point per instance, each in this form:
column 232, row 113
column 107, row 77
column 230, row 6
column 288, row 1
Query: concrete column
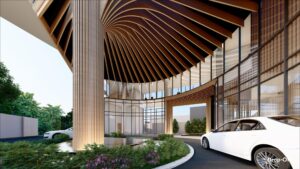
column 88, row 74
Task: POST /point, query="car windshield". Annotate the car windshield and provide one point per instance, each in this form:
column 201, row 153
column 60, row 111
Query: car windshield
column 291, row 120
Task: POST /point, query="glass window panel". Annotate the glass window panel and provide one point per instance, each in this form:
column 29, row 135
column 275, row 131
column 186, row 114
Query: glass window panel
column 186, row 81
column 153, row 90
column 231, row 108
column 248, row 103
column 294, row 90
column 246, row 38
column 232, row 50
column 195, row 76
column 249, row 71
column 231, row 82
column 272, row 97
column 168, row 86
column 145, row 90
column 217, row 63
column 176, row 84
column 205, row 70
column 160, row 89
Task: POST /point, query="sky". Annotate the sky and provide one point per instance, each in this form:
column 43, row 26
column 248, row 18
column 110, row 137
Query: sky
column 37, row 67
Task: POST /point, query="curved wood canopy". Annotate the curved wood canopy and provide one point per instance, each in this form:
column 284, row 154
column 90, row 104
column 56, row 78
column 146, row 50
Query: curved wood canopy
column 151, row 40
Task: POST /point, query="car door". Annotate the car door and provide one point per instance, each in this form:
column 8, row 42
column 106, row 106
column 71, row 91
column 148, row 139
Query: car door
column 246, row 134
column 217, row 140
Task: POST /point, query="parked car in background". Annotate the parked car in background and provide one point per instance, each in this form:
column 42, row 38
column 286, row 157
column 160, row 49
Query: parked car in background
column 271, row 142
column 53, row 134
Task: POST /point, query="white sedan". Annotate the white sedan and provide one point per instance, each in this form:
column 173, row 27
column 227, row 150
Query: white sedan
column 53, row 134
column 271, row 142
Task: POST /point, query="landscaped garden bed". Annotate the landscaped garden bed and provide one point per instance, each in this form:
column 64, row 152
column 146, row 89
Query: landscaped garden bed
column 45, row 155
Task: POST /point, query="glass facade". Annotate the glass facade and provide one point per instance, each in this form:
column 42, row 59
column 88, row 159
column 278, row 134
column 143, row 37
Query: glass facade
column 250, row 70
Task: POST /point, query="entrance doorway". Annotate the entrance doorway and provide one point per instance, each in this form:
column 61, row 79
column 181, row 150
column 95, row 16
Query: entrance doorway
column 201, row 95
column 187, row 114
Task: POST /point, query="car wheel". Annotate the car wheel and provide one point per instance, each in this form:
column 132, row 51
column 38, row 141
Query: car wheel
column 205, row 143
column 55, row 136
column 270, row 158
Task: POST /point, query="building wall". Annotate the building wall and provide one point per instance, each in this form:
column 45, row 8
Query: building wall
column 197, row 112
column 12, row 126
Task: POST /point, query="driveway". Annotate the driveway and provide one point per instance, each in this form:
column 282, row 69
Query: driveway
column 209, row 159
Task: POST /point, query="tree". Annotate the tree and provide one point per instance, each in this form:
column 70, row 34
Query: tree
column 188, row 127
column 175, row 126
column 25, row 105
column 9, row 91
column 67, row 121
column 50, row 118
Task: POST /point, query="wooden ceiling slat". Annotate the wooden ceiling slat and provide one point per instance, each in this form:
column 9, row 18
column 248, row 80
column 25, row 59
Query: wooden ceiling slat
column 152, row 40
column 119, row 57
column 194, row 17
column 114, row 58
column 167, row 39
column 140, row 71
column 119, row 37
column 60, row 14
column 106, row 67
column 68, row 40
column 249, row 5
column 187, row 24
column 146, row 50
column 137, row 57
column 151, row 49
column 109, row 56
column 148, row 60
column 62, row 29
column 127, row 35
column 119, row 5
column 207, row 9
column 110, row 8
column 123, row 58
column 106, row 9
column 44, row 7
column 167, row 30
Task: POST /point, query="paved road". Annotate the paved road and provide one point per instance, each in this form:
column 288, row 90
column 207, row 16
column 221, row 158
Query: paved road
column 209, row 159
column 11, row 140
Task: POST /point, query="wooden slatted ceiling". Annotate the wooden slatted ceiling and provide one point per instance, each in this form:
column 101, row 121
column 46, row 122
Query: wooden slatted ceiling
column 151, row 40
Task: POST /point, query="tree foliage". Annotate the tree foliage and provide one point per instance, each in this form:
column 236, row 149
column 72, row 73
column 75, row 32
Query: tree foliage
column 14, row 101
column 9, row 91
column 175, row 126
column 67, row 121
column 196, row 126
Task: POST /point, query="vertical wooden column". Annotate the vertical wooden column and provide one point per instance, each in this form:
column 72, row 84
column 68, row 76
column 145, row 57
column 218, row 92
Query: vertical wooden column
column 169, row 118
column 88, row 74
column 208, row 114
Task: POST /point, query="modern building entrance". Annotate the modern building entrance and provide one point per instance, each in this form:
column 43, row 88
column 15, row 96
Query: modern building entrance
column 202, row 94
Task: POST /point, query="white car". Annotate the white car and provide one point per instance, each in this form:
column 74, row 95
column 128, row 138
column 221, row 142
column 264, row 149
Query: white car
column 271, row 142
column 53, row 134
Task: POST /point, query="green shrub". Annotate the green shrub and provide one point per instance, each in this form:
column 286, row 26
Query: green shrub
column 38, row 155
column 175, row 126
column 172, row 149
column 164, row 136
column 117, row 134
column 196, row 126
